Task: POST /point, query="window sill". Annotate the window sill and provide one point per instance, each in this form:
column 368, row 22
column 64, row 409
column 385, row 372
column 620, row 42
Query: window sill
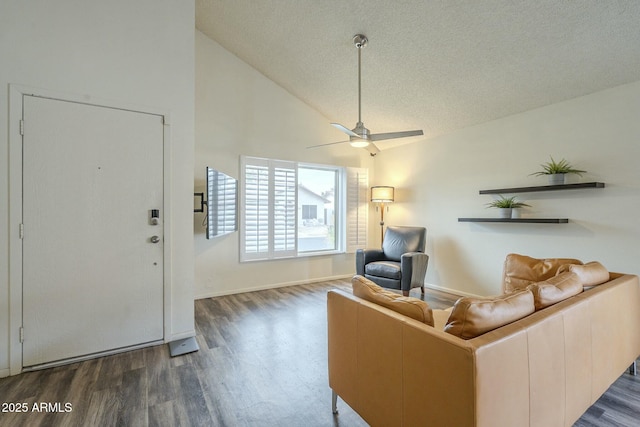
column 300, row 255
column 318, row 253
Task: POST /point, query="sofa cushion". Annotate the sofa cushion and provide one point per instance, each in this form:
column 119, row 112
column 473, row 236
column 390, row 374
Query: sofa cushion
column 520, row 271
column 388, row 269
column 471, row 317
column 555, row 289
column 408, row 306
column 590, row 274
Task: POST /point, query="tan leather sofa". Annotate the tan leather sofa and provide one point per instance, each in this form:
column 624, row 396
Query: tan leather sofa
column 543, row 370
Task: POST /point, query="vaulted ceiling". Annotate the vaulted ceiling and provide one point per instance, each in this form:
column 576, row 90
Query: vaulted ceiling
column 432, row 65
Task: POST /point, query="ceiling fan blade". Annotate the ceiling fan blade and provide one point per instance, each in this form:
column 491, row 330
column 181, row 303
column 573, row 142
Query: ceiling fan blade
column 345, row 130
column 330, row 143
column 372, row 149
column 393, row 135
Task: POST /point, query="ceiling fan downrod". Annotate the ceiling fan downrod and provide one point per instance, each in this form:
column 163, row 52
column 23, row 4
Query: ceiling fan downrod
column 360, row 41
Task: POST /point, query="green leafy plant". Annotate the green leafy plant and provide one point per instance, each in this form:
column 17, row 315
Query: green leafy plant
column 553, row 167
column 506, row 202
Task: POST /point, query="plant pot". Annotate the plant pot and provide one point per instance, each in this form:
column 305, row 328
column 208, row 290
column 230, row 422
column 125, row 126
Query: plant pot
column 556, row 178
column 515, row 212
column 505, row 212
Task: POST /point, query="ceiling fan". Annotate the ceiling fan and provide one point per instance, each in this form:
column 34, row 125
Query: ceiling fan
column 360, row 137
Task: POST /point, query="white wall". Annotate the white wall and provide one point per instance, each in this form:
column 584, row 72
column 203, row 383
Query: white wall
column 438, row 181
column 241, row 112
column 133, row 52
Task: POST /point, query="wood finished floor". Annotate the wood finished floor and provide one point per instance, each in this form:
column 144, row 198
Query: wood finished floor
column 262, row 362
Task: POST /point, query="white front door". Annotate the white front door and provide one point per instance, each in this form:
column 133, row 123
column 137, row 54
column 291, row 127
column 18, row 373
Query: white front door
column 92, row 276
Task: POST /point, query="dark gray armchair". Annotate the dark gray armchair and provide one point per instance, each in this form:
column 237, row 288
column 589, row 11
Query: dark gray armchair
column 400, row 264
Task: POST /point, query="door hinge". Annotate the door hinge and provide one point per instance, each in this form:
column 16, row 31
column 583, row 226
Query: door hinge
column 21, row 334
column 21, row 127
column 21, row 231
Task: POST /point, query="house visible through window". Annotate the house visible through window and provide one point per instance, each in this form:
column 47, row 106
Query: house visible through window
column 290, row 209
column 309, row 212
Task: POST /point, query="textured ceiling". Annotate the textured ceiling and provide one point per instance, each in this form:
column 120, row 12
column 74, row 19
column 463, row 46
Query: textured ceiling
column 432, row 65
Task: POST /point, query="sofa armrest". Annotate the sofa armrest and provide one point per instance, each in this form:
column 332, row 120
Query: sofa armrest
column 414, row 268
column 375, row 353
column 365, row 256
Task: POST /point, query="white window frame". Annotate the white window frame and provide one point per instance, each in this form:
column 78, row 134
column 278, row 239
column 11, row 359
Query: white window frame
column 350, row 206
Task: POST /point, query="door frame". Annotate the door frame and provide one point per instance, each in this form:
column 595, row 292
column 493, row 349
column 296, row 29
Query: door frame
column 16, row 93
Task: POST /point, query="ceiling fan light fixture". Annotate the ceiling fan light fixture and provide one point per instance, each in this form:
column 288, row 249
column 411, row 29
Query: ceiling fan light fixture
column 359, row 143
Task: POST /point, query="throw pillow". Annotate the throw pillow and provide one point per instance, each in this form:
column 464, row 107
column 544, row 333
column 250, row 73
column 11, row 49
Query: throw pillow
column 408, row 306
column 590, row 274
column 556, row 289
column 520, row 270
column 472, row 317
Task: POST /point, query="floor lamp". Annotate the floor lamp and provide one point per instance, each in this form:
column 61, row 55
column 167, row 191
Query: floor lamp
column 382, row 194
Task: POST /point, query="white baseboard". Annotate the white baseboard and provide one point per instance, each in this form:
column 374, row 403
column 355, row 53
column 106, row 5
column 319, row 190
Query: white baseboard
column 451, row 291
column 4, row 373
column 270, row 286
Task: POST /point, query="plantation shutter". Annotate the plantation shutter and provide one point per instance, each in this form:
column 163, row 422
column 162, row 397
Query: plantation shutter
column 357, row 208
column 285, row 208
column 254, row 230
column 268, row 209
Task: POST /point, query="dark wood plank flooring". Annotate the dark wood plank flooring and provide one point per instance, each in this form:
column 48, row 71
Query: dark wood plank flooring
column 262, row 362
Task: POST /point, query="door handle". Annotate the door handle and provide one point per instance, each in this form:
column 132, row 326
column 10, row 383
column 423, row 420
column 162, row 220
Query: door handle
column 154, row 239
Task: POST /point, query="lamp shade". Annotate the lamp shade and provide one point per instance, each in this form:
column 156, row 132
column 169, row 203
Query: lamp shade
column 382, row 194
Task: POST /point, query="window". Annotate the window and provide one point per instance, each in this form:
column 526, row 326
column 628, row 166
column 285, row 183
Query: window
column 290, row 209
column 309, row 212
column 316, row 194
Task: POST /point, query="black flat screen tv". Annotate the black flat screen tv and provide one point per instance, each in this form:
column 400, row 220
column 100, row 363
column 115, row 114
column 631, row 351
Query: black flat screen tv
column 222, row 203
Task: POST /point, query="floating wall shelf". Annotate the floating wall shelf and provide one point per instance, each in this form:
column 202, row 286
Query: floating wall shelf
column 577, row 186
column 518, row 220
column 544, row 188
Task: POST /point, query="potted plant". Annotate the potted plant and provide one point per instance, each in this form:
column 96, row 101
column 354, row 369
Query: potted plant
column 506, row 206
column 557, row 171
